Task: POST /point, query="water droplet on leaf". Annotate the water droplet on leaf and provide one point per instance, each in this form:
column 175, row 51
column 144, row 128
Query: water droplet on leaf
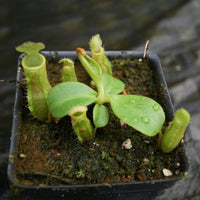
column 156, row 107
column 145, row 119
column 124, row 118
column 132, row 101
column 134, row 119
column 139, row 106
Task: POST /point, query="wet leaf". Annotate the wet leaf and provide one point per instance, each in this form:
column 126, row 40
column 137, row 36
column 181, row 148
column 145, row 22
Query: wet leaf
column 142, row 113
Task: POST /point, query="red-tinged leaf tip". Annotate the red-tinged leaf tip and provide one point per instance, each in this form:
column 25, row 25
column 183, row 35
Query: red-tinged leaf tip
column 81, row 51
column 124, row 92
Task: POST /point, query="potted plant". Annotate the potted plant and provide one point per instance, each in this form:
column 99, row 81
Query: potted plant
column 111, row 135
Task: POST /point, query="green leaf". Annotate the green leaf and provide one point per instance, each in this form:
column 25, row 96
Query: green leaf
column 93, row 65
column 90, row 65
column 30, row 48
column 100, row 115
column 142, row 113
column 66, row 95
column 112, row 85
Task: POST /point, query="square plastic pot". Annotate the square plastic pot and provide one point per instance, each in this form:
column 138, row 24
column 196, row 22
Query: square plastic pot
column 131, row 190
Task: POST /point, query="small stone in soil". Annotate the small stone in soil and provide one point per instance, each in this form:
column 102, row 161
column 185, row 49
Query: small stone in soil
column 127, row 144
column 22, row 155
column 167, row 172
column 146, row 161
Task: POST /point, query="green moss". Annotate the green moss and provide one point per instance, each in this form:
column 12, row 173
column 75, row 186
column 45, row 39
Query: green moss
column 54, row 156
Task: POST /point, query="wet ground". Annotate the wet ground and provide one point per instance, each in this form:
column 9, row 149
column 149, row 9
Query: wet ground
column 173, row 28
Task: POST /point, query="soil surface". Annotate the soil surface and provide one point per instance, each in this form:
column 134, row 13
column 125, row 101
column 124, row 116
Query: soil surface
column 50, row 154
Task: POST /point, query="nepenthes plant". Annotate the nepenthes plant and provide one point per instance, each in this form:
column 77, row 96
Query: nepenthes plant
column 142, row 113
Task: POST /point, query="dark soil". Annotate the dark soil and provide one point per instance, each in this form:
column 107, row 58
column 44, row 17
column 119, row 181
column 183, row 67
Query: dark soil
column 50, row 154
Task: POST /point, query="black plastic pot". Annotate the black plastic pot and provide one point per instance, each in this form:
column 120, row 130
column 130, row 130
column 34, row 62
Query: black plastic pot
column 131, row 190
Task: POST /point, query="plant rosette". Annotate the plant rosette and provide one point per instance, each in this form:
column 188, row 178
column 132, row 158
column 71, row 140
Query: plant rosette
column 56, row 150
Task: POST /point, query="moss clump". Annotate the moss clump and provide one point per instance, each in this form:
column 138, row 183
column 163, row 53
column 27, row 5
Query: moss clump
column 54, row 156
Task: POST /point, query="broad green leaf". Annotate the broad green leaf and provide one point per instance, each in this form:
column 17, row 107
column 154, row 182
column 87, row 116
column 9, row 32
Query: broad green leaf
column 66, row 95
column 30, row 48
column 142, row 113
column 90, row 65
column 100, row 115
column 112, row 85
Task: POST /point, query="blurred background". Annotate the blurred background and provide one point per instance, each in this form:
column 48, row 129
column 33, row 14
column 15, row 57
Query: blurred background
column 172, row 26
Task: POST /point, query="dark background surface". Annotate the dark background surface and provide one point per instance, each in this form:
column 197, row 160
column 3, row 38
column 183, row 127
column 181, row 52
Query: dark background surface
column 172, row 26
